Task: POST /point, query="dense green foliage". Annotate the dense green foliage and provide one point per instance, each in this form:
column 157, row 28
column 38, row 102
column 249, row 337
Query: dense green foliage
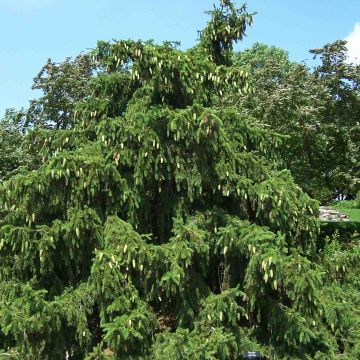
column 159, row 222
column 16, row 152
column 10, row 139
column 319, row 109
column 62, row 86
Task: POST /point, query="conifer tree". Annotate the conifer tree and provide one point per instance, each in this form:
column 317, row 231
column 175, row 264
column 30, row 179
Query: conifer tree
column 158, row 226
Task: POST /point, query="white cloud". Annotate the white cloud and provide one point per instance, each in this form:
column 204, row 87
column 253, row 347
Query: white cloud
column 353, row 44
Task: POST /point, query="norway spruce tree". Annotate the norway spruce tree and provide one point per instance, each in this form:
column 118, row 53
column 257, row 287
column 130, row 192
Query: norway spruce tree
column 158, row 226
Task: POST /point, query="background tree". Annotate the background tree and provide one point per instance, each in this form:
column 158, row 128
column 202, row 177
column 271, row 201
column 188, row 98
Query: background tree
column 10, row 138
column 16, row 154
column 62, row 85
column 316, row 110
column 341, row 117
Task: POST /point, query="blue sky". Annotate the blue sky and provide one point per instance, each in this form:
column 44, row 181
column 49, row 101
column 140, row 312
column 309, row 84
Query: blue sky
column 31, row 31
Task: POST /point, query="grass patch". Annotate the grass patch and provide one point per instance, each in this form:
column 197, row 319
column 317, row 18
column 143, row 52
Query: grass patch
column 349, row 207
column 354, row 214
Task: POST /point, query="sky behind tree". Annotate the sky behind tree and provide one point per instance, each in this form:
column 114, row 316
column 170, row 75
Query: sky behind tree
column 34, row 30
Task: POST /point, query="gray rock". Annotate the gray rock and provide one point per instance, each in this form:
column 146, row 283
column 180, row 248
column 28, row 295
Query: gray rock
column 326, row 213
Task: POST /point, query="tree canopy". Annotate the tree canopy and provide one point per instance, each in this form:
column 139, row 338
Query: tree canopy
column 62, row 86
column 318, row 109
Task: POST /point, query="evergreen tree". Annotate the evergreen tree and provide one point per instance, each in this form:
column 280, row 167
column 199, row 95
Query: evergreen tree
column 159, row 226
